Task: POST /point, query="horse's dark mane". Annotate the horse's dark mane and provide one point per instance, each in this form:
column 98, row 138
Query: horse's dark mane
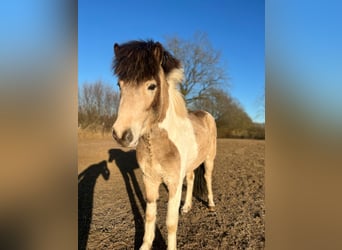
column 138, row 61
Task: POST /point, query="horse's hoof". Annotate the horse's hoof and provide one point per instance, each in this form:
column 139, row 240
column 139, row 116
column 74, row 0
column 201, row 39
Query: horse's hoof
column 185, row 210
column 212, row 209
column 143, row 248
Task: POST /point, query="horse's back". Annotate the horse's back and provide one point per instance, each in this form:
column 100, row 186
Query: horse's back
column 203, row 121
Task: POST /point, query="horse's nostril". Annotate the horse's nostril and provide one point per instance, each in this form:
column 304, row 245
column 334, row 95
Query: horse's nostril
column 114, row 135
column 127, row 136
column 125, row 139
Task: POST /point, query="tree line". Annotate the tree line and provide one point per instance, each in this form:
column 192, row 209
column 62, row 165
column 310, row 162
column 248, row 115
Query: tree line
column 202, row 88
column 98, row 104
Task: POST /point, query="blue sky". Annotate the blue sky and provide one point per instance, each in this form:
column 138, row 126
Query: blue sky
column 236, row 28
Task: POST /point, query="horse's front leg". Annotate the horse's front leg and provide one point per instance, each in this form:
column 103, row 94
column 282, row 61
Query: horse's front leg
column 151, row 212
column 175, row 193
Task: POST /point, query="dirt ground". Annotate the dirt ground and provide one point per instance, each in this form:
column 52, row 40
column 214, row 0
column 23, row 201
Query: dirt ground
column 111, row 200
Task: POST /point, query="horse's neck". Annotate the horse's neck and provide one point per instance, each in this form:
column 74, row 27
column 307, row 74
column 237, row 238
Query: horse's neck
column 176, row 122
column 180, row 130
column 176, row 116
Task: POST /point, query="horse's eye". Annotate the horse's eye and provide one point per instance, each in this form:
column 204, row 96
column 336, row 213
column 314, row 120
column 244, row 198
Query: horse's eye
column 152, row 86
column 119, row 85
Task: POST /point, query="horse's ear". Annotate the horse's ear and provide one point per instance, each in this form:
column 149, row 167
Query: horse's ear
column 158, row 52
column 116, row 48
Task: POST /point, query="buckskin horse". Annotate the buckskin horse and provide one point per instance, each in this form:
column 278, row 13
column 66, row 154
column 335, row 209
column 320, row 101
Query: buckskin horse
column 171, row 142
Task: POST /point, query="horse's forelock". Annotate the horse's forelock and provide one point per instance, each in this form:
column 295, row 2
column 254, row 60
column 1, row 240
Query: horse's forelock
column 138, row 61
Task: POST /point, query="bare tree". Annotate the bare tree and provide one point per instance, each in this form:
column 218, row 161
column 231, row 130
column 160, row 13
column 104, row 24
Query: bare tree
column 98, row 94
column 201, row 66
column 260, row 102
column 88, row 105
column 98, row 103
column 111, row 101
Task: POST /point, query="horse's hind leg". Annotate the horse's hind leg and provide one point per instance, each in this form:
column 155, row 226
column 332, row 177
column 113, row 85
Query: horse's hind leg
column 189, row 188
column 209, row 166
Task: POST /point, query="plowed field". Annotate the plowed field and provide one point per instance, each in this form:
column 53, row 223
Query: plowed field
column 111, row 200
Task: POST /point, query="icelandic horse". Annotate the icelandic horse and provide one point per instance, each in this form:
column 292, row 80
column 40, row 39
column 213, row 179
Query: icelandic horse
column 171, row 142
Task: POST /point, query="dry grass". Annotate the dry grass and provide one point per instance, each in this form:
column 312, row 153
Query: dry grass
column 90, row 134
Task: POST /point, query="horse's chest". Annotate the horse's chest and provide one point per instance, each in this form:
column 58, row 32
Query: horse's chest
column 157, row 155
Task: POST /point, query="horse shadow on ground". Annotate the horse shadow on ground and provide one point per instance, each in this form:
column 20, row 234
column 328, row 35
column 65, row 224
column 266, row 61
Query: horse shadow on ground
column 86, row 184
column 126, row 162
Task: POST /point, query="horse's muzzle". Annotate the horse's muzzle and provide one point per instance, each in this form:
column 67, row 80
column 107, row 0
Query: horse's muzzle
column 126, row 138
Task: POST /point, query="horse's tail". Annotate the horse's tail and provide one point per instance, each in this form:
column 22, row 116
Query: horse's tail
column 200, row 184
